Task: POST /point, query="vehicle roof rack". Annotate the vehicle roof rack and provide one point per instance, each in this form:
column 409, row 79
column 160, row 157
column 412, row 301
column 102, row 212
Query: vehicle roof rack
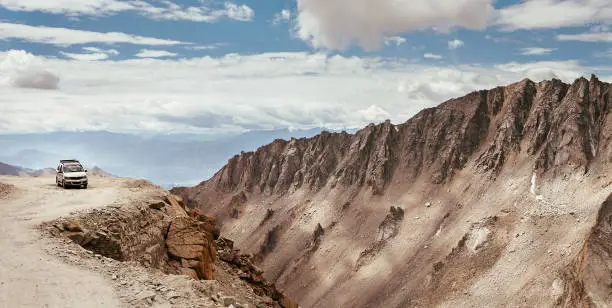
column 65, row 161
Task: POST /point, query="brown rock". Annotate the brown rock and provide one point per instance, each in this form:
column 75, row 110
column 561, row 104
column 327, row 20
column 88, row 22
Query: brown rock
column 189, row 240
column 176, row 208
column 157, row 205
column 72, row 227
column 189, row 272
column 205, row 269
column 190, row 263
column 76, row 237
column 186, row 238
column 286, row 302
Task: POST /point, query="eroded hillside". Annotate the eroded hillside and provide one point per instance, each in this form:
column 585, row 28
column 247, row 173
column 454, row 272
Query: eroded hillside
column 497, row 192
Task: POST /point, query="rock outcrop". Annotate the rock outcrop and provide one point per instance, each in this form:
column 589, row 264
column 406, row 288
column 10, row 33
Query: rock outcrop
column 189, row 242
column 136, row 232
column 165, row 234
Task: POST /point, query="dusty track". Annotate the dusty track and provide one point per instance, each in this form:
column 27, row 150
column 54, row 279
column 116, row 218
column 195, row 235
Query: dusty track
column 28, row 276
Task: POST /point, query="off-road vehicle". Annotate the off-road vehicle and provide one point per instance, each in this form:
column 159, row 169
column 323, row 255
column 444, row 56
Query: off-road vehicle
column 70, row 172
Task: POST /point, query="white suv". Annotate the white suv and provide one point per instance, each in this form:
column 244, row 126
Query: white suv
column 70, row 172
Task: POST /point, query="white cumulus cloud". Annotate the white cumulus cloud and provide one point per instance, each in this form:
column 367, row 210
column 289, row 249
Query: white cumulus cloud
column 238, row 92
column 86, row 56
column 239, row 12
column 20, row 69
column 161, row 9
column 336, row 24
column 591, row 37
column 113, row 52
column 537, row 51
column 432, row 56
column 454, row 44
column 282, row 16
column 552, row 14
column 66, row 37
column 147, row 53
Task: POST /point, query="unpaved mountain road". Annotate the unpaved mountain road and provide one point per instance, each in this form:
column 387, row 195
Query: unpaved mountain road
column 28, row 276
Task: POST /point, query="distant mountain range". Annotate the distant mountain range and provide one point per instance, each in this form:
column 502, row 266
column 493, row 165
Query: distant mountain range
column 6, row 169
column 165, row 159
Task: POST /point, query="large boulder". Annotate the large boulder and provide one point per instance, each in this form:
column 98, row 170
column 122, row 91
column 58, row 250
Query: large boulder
column 189, row 241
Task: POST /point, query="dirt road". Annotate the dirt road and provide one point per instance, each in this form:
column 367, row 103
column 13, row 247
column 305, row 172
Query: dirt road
column 28, row 276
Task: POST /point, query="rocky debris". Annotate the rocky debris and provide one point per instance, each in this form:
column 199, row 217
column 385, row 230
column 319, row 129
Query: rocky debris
column 170, row 241
column 269, row 242
column 317, row 234
column 244, row 265
column 209, row 223
column 140, row 184
column 388, row 229
column 6, row 190
column 157, row 205
column 228, row 300
column 236, row 204
column 72, row 227
column 588, row 280
column 475, row 254
column 138, row 287
column 157, row 234
column 269, row 214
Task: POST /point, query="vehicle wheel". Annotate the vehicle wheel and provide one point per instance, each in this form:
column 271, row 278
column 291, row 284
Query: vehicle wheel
column 64, row 184
column 85, row 186
column 57, row 183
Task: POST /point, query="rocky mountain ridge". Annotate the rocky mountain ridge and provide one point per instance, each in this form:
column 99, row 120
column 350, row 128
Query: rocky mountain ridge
column 558, row 125
column 499, row 183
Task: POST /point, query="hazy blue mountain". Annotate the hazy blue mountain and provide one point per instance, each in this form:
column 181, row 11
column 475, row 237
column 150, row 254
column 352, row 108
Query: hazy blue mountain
column 165, row 159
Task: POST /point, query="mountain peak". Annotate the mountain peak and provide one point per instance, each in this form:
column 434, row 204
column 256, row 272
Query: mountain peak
column 550, row 124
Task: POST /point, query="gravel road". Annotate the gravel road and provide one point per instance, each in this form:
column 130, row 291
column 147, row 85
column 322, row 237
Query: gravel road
column 28, row 276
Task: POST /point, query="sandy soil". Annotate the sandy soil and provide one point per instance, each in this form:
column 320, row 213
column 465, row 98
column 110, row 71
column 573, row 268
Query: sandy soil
column 28, row 276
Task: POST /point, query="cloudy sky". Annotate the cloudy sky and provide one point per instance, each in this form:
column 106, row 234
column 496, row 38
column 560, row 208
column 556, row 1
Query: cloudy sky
column 211, row 67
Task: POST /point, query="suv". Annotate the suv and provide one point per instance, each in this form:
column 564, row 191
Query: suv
column 70, row 172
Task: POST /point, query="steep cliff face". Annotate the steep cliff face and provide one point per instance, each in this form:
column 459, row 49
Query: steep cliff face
column 589, row 277
column 528, row 153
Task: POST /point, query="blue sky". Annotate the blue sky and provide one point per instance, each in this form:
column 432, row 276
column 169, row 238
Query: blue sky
column 240, row 65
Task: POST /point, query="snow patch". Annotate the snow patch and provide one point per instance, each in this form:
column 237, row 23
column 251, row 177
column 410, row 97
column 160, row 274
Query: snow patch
column 438, row 232
column 556, row 290
column 477, row 238
column 534, row 187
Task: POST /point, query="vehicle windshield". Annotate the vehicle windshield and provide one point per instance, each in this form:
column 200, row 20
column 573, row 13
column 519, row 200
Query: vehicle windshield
column 73, row 169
